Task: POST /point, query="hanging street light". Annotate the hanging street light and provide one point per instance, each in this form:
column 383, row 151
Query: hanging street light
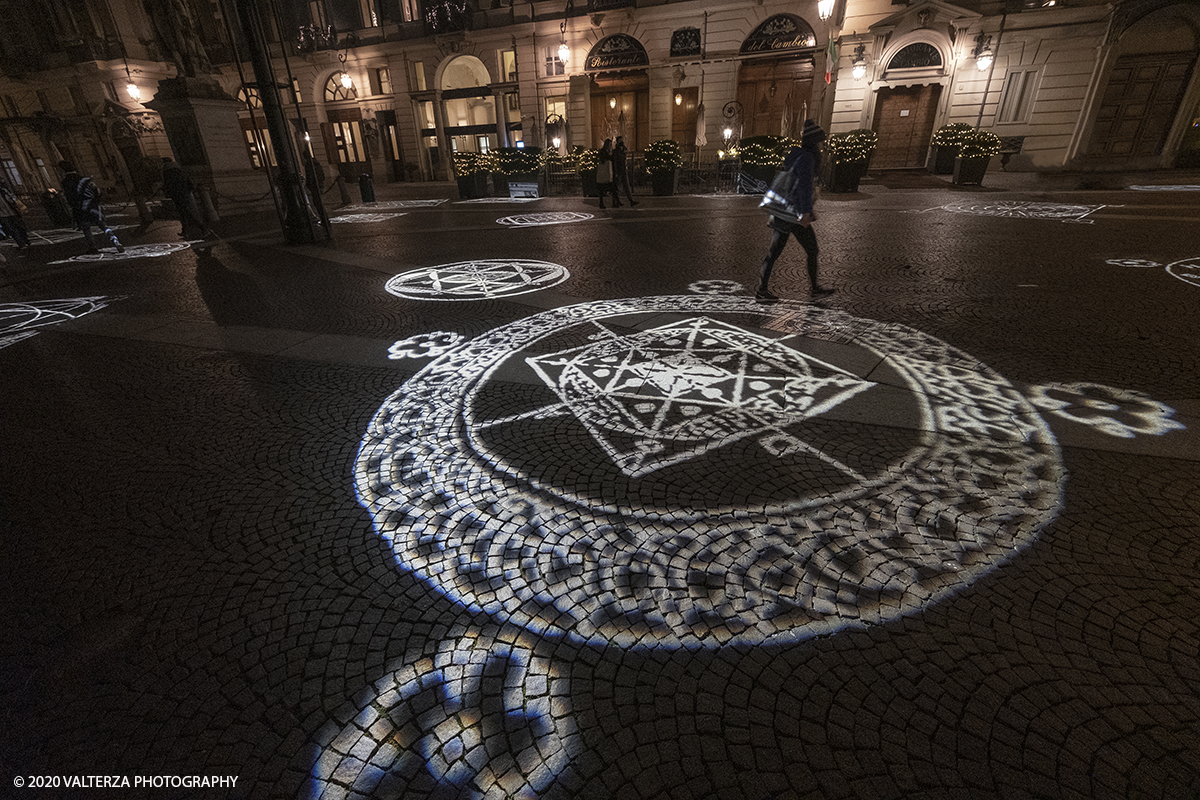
column 345, row 79
column 825, row 8
column 860, row 62
column 564, row 52
column 983, row 51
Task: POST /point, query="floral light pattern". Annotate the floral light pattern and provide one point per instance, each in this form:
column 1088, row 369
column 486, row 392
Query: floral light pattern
column 425, row 345
column 1118, row 412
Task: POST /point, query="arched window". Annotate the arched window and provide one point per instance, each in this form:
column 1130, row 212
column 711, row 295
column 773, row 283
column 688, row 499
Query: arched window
column 916, row 56
column 249, row 96
column 334, row 90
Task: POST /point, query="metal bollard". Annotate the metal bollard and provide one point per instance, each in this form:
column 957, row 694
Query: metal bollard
column 366, row 188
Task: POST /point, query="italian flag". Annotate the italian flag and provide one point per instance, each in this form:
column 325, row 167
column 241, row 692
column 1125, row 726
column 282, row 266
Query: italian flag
column 831, row 57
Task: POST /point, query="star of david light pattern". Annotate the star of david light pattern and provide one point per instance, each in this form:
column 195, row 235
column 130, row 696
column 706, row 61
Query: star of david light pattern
column 490, row 482
column 18, row 321
column 474, row 280
column 480, row 719
column 492, row 200
column 544, row 218
column 668, row 394
column 1027, row 210
column 131, row 251
column 365, row 217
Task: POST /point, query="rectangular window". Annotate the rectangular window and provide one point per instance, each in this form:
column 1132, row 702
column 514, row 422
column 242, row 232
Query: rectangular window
column 296, row 90
column 9, row 168
column 369, row 13
column 417, row 76
column 553, row 65
column 81, row 106
column 258, row 145
column 41, row 165
column 411, row 10
column 508, row 65
column 381, row 81
column 1017, row 100
column 316, row 13
column 346, row 141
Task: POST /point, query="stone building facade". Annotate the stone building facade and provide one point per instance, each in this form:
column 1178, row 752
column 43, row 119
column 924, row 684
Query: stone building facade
column 393, row 87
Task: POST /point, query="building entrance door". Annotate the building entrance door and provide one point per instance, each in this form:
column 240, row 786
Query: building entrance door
column 389, row 141
column 776, row 97
column 904, row 123
column 1139, row 107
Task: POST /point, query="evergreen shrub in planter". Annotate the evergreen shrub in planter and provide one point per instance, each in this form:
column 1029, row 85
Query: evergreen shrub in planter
column 760, row 157
column 944, row 146
column 663, row 160
column 974, row 154
column 586, row 162
column 471, row 172
column 517, row 165
column 847, row 158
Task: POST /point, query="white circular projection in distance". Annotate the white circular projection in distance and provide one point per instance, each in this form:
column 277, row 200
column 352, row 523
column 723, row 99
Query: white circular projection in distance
column 544, row 218
column 671, row 472
column 1025, row 210
column 1186, row 270
column 477, row 280
column 131, row 251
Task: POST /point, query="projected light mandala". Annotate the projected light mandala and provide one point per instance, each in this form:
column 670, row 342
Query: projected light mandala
column 490, row 200
column 715, row 287
column 480, row 719
column 544, row 218
column 19, row 321
column 365, row 217
column 1186, row 187
column 1064, row 212
column 425, row 345
column 1186, row 270
column 387, row 205
column 131, row 251
column 1138, row 263
column 475, row 280
column 668, row 472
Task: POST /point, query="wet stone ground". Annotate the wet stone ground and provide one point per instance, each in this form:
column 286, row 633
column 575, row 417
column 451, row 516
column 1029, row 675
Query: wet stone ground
column 521, row 500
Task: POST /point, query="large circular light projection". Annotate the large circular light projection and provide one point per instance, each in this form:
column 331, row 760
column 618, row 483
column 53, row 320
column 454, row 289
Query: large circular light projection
column 1023, row 209
column 1186, row 270
column 703, row 470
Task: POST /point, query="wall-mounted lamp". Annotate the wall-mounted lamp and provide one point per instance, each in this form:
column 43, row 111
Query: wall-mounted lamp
column 612, row 102
column 678, row 99
column 727, row 133
column 825, row 8
column 859, row 60
column 345, row 78
column 983, row 51
column 564, row 52
column 130, row 86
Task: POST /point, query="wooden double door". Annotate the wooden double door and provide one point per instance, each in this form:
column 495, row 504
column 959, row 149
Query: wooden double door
column 1139, row 107
column 904, row 117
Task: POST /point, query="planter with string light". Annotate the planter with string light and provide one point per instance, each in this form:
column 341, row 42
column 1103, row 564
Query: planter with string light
column 759, row 158
column 974, row 154
column 663, row 160
column 473, row 176
column 847, row 159
column 944, row 146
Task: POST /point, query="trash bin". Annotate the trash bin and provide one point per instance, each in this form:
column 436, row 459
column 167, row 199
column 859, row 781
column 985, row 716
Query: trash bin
column 57, row 208
column 366, row 188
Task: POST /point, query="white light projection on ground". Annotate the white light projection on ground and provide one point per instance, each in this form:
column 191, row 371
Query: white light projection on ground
column 1185, row 187
column 55, row 236
column 424, row 345
column 366, row 217
column 544, row 218
column 665, row 472
column 490, row 200
column 1123, row 413
column 481, row 718
column 1025, row 210
column 19, row 321
column 131, row 251
column 476, row 280
column 388, row 205
column 1186, row 269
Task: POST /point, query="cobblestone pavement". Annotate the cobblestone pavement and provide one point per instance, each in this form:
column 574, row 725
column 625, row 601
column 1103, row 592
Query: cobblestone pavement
column 534, row 500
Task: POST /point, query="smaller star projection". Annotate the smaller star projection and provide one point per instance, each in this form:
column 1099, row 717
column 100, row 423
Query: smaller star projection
column 476, row 280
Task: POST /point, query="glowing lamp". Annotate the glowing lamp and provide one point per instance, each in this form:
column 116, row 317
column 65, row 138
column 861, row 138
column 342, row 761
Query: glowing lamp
column 678, row 99
column 612, row 102
column 557, row 142
column 564, row 53
column 728, row 132
column 134, row 91
column 346, row 81
column 825, row 8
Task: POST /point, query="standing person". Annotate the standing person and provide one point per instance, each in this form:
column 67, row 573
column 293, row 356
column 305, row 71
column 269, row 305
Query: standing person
column 177, row 185
column 803, row 161
column 84, row 197
column 10, row 218
column 605, row 180
column 621, row 170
